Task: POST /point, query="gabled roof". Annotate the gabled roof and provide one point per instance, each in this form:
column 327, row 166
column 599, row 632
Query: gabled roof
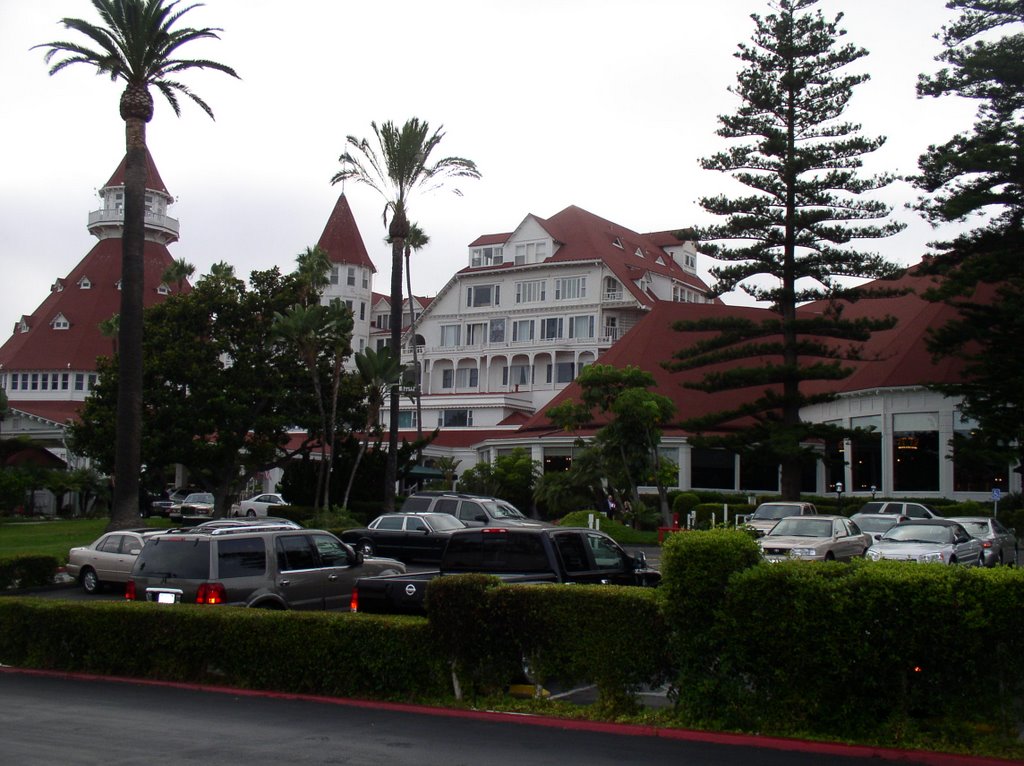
column 490, row 239
column 891, row 358
column 153, row 179
column 341, row 239
column 76, row 348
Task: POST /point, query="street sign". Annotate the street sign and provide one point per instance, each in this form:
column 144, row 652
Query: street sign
column 996, row 494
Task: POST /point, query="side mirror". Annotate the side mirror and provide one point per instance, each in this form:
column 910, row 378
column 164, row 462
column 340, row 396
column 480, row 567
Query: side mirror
column 480, row 517
column 355, row 558
column 639, row 560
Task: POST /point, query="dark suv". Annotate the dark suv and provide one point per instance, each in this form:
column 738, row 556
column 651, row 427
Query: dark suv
column 271, row 566
column 471, row 510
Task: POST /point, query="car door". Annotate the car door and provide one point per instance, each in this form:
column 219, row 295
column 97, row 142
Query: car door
column 417, row 543
column 847, row 543
column 300, row 578
column 471, row 513
column 108, row 558
column 336, row 561
column 389, row 536
column 607, row 563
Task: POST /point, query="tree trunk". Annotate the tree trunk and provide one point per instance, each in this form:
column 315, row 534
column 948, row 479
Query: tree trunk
column 415, row 362
column 128, row 439
column 355, row 467
column 399, row 229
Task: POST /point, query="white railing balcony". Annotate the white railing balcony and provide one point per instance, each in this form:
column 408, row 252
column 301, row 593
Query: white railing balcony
column 611, row 296
column 115, row 217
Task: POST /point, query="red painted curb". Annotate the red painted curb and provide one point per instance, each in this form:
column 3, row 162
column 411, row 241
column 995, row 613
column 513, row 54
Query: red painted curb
column 927, row 758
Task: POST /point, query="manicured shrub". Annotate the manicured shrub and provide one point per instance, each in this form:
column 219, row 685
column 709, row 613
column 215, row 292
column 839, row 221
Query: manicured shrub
column 683, row 503
column 27, row 571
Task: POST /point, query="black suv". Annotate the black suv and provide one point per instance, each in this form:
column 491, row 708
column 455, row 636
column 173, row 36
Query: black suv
column 271, row 566
column 471, row 510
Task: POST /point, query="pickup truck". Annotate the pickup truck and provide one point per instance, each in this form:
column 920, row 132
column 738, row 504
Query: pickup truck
column 516, row 555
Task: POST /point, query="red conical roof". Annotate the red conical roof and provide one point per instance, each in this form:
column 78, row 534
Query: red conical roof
column 341, row 239
column 153, row 179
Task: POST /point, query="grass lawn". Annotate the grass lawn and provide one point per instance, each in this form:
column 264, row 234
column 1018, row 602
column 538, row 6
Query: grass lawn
column 55, row 538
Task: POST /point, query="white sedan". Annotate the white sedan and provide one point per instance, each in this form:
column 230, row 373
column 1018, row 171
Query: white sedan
column 108, row 559
column 257, row 506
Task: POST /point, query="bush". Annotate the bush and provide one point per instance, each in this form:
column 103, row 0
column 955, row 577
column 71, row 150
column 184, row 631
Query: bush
column 616, row 530
column 683, row 503
column 27, row 571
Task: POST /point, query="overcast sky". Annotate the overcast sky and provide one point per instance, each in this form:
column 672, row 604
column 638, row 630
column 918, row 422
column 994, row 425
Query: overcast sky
column 608, row 105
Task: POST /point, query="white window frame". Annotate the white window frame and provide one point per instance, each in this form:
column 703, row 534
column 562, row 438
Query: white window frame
column 570, row 288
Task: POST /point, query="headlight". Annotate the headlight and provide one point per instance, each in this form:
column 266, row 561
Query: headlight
column 805, row 552
column 873, row 554
column 930, row 558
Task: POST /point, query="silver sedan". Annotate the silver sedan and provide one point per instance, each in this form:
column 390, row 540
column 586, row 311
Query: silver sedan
column 108, row 559
column 939, row 541
column 999, row 543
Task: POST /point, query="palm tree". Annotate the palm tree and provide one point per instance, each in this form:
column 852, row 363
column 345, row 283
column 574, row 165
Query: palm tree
column 379, row 371
column 178, row 272
column 136, row 43
column 337, row 335
column 399, row 166
column 313, row 267
column 416, row 240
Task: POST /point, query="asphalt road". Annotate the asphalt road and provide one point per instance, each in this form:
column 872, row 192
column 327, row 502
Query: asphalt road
column 46, row 720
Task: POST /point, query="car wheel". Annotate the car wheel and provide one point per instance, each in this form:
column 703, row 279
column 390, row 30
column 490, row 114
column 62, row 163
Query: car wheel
column 250, row 513
column 830, row 556
column 90, row 582
column 1000, row 561
column 952, row 560
column 981, row 560
column 366, row 547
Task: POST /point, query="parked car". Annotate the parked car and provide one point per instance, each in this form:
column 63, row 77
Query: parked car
column 910, row 510
column 270, row 566
column 405, row 536
column 472, row 510
column 877, row 524
column 258, row 505
column 767, row 515
column 998, row 542
column 245, row 521
column 165, row 506
column 814, row 538
column 108, row 559
column 929, row 541
column 198, row 505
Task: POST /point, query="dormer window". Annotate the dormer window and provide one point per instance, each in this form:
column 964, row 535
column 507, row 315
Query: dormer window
column 659, row 260
column 117, row 284
column 638, row 253
column 84, row 283
column 618, row 243
column 487, row 256
column 58, row 286
column 163, row 289
column 60, row 322
column 23, row 325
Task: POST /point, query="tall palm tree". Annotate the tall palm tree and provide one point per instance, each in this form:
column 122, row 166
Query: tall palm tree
column 178, row 272
column 379, row 371
column 416, row 240
column 398, row 167
column 337, row 337
column 313, row 267
column 136, row 43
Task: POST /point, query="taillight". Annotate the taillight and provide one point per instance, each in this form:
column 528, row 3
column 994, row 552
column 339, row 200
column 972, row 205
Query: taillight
column 129, row 590
column 211, row 593
column 986, row 544
column 493, row 530
column 353, row 605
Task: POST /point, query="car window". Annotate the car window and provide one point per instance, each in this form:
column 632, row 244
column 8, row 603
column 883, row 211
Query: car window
column 501, row 552
column 415, row 524
column 332, row 552
column 444, row 521
column 573, row 552
column 180, row 558
column 802, row 526
column 607, row 554
column 241, row 557
column 447, row 505
column 998, row 528
column 976, row 528
column 389, row 522
column 295, row 552
column 470, row 511
column 876, row 525
column 110, row 544
column 927, row 533
column 416, row 504
column 775, row 511
column 917, row 511
column 872, row 507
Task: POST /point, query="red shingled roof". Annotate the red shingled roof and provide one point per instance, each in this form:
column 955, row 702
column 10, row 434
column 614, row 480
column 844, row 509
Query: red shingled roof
column 341, row 239
column 55, row 412
column 153, row 179
column 76, row 348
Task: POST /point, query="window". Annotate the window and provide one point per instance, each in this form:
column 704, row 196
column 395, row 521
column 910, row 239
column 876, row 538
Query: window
column 522, row 330
column 915, row 452
column 35, row 381
column 92, row 381
column 79, row 381
column 486, row 256
column 334, row 275
column 295, row 552
column 516, row 375
column 450, row 335
column 467, row 377
column 14, row 381
column 407, row 418
column 382, row 321
column 389, row 523
column 60, row 322
column 570, row 288
column 163, row 289
column 366, row 278
column 455, row 418
column 483, row 295
column 362, row 310
column 84, row 283
column 497, row 331
column 581, row 327
column 476, row 334
column 241, row 558
column 350, row 278
column 24, row 381
column 551, row 328
column 564, row 372
column 447, row 378
column 531, row 292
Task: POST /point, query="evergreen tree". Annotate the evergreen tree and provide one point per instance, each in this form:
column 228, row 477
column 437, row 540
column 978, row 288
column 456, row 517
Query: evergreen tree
column 980, row 174
column 792, row 232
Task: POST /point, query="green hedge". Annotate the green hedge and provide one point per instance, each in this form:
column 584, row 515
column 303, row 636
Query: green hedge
column 27, row 571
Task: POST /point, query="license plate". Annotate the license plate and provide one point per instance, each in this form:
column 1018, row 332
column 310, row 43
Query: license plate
column 166, row 598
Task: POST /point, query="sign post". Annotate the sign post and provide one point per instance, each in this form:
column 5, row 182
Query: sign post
column 996, row 494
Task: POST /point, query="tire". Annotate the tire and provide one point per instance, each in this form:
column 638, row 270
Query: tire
column 981, row 561
column 952, row 560
column 366, row 547
column 236, row 514
column 830, row 556
column 90, row 582
column 250, row 514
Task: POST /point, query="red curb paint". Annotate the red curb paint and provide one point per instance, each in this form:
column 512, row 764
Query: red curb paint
column 623, row 729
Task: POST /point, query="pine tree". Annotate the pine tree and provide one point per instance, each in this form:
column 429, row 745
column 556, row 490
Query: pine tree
column 980, row 174
column 792, row 232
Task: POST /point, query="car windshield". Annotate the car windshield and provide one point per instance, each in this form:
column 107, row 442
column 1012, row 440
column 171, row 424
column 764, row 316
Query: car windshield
column 919, row 533
column 503, row 510
column 802, row 527
column 775, row 511
column 443, row 521
column 875, row 525
column 200, row 497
